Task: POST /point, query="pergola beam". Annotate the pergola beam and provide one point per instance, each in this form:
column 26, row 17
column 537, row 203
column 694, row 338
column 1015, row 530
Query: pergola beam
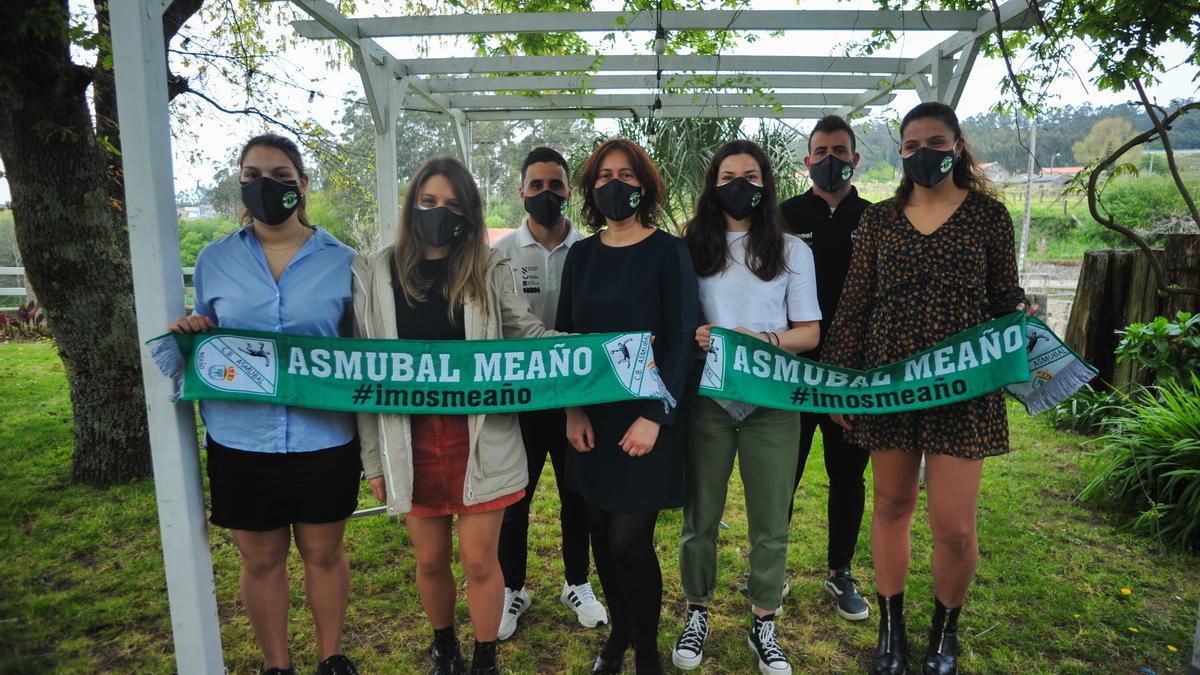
column 710, row 111
column 1013, row 14
column 466, row 85
column 689, row 63
column 472, row 102
column 370, row 56
column 677, row 20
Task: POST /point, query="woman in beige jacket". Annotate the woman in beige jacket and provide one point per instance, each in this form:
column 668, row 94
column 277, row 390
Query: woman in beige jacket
column 441, row 281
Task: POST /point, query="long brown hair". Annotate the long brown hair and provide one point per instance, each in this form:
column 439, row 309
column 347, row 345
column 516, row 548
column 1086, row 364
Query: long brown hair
column 705, row 236
column 288, row 147
column 467, row 261
column 965, row 174
column 654, row 191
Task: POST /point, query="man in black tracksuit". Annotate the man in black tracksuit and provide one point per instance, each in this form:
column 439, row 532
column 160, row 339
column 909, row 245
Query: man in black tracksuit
column 825, row 217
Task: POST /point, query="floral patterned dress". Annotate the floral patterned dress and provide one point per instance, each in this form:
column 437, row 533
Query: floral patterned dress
column 907, row 291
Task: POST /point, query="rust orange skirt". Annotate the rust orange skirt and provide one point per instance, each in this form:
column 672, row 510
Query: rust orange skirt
column 441, row 446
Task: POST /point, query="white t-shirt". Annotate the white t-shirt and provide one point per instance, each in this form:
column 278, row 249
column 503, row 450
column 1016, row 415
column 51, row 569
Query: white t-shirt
column 737, row 297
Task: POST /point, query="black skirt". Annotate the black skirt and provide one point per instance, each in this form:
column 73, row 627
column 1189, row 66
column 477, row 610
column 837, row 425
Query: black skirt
column 262, row 491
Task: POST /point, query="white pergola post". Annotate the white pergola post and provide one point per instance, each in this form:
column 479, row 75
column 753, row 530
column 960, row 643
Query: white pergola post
column 141, row 75
column 384, row 94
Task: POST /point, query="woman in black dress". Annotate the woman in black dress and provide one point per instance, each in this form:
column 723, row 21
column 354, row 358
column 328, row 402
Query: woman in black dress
column 935, row 260
column 629, row 276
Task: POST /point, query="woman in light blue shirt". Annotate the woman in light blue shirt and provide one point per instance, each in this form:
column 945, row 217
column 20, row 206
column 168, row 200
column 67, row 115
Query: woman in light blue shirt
column 275, row 471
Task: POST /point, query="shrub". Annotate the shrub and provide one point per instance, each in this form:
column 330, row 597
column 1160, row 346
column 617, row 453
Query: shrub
column 1149, row 464
column 28, row 324
column 1142, row 202
column 1169, row 348
column 1086, row 410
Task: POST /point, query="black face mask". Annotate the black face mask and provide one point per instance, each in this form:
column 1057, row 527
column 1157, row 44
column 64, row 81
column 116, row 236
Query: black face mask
column 271, row 201
column 617, row 200
column 831, row 174
column 928, row 167
column 545, row 208
column 739, row 197
column 439, row 226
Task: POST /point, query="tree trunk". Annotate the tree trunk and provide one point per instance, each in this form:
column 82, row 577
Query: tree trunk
column 71, row 231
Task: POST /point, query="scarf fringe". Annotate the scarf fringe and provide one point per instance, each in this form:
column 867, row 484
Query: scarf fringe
column 169, row 359
column 1065, row 383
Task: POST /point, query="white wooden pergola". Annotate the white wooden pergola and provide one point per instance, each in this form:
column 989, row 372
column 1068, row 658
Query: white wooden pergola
column 463, row 90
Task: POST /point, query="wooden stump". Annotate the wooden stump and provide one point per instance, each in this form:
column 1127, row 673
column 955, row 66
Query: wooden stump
column 1102, row 285
column 1116, row 288
column 1182, row 260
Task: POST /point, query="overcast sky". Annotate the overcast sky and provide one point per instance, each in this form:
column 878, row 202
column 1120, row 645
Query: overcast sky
column 210, row 139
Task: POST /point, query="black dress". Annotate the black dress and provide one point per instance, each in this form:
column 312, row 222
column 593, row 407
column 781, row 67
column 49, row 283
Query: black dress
column 650, row 285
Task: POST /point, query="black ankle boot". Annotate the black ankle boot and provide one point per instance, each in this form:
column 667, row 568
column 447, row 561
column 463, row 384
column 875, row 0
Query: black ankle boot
column 941, row 657
column 891, row 652
column 447, row 659
column 483, row 662
column 603, row 665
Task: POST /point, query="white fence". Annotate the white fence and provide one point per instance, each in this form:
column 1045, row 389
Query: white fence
column 22, row 291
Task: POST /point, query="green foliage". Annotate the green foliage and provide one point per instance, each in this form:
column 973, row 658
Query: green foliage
column 1106, row 136
column 1087, row 409
column 195, row 234
column 881, row 172
column 1169, row 348
column 1149, row 465
column 1144, row 203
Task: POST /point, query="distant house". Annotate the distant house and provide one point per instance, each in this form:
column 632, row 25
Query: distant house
column 1067, row 172
column 994, row 171
column 199, row 211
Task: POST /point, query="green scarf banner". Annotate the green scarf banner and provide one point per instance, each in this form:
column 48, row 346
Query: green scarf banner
column 497, row 376
column 407, row 376
column 741, row 371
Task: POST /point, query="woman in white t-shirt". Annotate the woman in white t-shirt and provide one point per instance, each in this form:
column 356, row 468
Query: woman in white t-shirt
column 759, row 281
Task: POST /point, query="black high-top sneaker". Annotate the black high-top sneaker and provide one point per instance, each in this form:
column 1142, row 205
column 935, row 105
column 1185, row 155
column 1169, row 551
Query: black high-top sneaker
column 447, row 658
column 941, row 657
column 689, row 648
column 483, row 662
column 891, row 652
column 764, row 642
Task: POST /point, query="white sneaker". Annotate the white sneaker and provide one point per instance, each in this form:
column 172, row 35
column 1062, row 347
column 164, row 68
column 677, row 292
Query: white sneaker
column 787, row 589
column 583, row 602
column 515, row 604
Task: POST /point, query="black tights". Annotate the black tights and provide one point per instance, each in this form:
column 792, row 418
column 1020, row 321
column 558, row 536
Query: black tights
column 623, row 544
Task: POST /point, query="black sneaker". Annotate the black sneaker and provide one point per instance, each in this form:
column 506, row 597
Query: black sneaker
column 850, row 605
column 689, row 648
column 337, row 664
column 290, row 670
column 762, row 639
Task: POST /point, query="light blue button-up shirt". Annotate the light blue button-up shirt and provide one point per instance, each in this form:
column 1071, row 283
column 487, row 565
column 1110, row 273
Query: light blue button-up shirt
column 235, row 289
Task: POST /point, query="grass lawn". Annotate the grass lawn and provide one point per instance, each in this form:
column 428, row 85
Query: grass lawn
column 82, row 586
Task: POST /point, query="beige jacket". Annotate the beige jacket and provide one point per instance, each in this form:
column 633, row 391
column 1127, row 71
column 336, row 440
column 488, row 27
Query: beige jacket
column 496, row 466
